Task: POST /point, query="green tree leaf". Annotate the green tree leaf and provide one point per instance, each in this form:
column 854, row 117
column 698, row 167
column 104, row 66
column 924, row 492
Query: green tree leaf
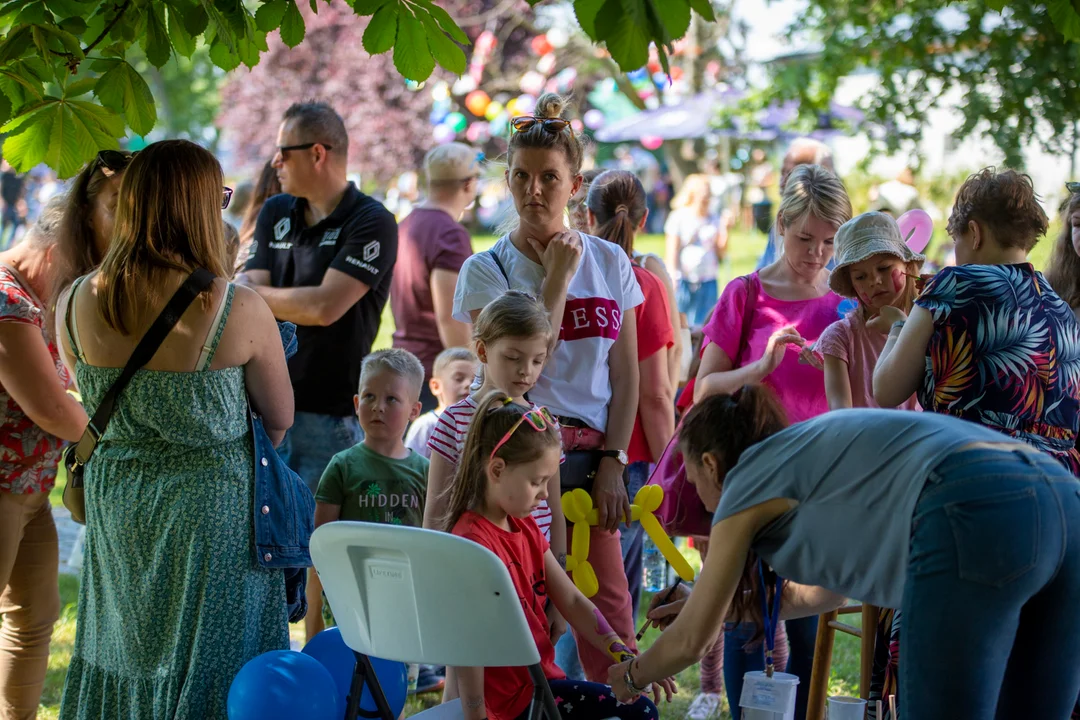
column 156, row 42
column 674, row 15
column 367, row 7
column 586, row 12
column 448, row 25
column 74, row 25
column 5, row 108
column 704, row 8
column 62, row 134
column 1065, row 17
column 292, row 25
column 34, row 14
column 80, row 87
column 443, row 49
column 624, row 32
column 383, row 29
column 182, row 41
column 269, row 15
column 15, row 44
column 110, row 124
column 224, row 56
column 123, row 90
column 196, row 20
column 412, row 56
column 21, row 86
column 30, row 135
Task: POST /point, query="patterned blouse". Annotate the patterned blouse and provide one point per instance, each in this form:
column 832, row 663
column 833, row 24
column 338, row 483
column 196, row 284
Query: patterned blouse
column 28, row 454
column 1005, row 354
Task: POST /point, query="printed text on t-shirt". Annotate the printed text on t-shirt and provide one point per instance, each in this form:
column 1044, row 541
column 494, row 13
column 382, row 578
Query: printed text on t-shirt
column 590, row 317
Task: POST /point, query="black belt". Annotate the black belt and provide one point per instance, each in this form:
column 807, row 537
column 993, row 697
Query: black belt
column 572, row 422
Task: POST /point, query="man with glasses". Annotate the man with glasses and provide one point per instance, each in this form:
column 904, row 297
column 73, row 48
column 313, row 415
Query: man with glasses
column 322, row 257
column 433, row 245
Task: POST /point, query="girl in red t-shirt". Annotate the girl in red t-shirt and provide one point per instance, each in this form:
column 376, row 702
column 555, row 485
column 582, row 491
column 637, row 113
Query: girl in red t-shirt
column 510, row 452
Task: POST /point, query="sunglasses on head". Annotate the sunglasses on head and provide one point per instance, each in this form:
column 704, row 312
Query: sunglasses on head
column 226, row 197
column 112, row 162
column 539, row 418
column 552, row 125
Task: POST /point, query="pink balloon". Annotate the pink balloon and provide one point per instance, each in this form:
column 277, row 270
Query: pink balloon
column 652, row 142
column 916, row 227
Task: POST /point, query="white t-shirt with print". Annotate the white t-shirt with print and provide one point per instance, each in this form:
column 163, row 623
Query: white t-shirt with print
column 576, row 381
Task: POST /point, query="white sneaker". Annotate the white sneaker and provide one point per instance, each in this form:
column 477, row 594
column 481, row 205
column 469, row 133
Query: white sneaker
column 706, row 706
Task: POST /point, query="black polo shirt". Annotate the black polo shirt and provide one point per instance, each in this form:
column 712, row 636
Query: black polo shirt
column 360, row 239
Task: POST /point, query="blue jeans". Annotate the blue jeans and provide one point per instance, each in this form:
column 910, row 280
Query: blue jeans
column 314, row 439
column 696, row 300
column 633, row 536
column 567, row 659
column 993, row 584
column 739, row 660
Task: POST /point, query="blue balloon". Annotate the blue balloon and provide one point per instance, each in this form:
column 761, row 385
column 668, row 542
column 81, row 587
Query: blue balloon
column 329, row 648
column 284, row 685
column 846, row 306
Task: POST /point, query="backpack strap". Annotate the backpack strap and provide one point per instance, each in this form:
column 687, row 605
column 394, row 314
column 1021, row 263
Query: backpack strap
column 498, row 264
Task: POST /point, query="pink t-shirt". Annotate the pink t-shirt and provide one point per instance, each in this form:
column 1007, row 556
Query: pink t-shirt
column 849, row 339
column 800, row 388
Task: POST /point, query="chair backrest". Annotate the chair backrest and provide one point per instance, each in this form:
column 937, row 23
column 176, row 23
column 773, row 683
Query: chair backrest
column 414, row 595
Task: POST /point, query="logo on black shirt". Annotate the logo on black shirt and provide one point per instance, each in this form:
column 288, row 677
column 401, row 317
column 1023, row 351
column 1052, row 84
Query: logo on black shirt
column 282, row 228
column 330, row 237
column 371, row 250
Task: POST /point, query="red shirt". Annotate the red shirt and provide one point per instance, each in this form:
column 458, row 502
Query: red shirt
column 508, row 690
column 654, row 333
column 28, row 454
column 428, row 239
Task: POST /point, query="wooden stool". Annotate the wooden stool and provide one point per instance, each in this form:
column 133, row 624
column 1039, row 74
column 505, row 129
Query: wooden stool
column 823, row 650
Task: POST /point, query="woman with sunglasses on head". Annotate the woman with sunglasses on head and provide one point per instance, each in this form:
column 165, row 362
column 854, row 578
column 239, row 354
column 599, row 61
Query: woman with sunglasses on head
column 171, row 604
column 510, row 452
column 591, row 380
column 989, row 340
column 36, row 417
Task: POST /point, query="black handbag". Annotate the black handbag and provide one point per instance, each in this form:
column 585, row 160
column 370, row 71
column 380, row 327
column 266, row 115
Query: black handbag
column 579, row 470
column 76, row 456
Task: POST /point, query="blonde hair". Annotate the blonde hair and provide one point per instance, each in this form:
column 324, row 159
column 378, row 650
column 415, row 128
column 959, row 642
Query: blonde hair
column 494, row 417
column 512, row 314
column 812, row 191
column 693, row 187
column 551, row 106
column 451, row 355
column 168, row 217
column 396, row 361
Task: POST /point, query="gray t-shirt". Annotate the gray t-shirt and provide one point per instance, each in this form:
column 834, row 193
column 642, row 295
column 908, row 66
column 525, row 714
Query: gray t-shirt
column 857, row 475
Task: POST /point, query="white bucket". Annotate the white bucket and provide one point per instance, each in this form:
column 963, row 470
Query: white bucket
column 765, row 698
column 846, row 708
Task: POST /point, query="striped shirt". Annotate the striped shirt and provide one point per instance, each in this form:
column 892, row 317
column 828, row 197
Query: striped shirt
column 448, row 439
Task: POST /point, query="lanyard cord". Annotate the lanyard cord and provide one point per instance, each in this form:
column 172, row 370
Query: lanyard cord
column 770, row 616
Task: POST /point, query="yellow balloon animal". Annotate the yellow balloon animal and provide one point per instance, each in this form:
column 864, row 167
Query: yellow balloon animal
column 578, row 509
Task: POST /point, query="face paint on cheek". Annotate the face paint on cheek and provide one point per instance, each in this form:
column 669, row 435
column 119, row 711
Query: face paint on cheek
column 897, row 279
column 864, row 297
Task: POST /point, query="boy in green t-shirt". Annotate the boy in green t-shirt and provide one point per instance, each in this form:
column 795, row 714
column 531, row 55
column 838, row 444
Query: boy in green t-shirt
column 378, row 480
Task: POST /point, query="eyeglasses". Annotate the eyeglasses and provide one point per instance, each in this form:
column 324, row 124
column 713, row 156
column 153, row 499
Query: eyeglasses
column 539, row 418
column 1073, row 187
column 283, row 149
column 552, row 125
column 112, row 162
column 226, row 197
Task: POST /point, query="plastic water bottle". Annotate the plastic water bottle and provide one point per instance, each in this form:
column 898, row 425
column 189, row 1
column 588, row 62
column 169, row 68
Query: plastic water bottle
column 654, row 567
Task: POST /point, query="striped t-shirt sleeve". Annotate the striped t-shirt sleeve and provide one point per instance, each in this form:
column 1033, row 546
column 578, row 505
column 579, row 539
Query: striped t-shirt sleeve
column 448, row 437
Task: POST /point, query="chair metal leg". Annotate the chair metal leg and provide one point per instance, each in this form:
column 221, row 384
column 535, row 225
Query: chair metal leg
column 819, row 674
column 363, row 674
column 870, row 616
column 543, row 702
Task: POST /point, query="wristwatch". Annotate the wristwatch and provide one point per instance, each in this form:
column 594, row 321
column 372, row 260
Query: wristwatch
column 619, row 455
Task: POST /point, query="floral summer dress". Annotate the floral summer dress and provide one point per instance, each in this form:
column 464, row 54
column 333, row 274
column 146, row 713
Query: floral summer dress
column 172, row 602
column 1005, row 354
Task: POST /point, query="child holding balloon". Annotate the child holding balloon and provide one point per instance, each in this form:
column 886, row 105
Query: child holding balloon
column 510, row 452
column 875, row 267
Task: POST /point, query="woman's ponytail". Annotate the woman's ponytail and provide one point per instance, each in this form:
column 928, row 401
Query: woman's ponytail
column 617, row 200
column 726, row 425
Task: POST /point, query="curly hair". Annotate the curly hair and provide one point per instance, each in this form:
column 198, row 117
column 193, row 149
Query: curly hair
column 1004, row 203
column 1063, row 270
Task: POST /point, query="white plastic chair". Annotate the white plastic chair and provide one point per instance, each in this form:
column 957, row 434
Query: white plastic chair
column 413, row 595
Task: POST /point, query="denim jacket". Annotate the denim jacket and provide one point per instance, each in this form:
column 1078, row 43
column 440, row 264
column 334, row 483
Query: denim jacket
column 284, row 508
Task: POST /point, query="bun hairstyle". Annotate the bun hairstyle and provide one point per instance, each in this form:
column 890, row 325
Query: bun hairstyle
column 494, row 417
column 512, row 314
column 726, row 425
column 549, row 106
column 617, row 199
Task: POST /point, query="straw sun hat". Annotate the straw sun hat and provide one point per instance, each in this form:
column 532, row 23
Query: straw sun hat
column 862, row 237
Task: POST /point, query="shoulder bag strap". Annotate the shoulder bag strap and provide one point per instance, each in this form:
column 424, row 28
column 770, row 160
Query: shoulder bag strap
column 196, row 283
column 753, row 286
column 499, row 264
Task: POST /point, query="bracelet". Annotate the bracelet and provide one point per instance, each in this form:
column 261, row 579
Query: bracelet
column 630, row 680
column 898, row 325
